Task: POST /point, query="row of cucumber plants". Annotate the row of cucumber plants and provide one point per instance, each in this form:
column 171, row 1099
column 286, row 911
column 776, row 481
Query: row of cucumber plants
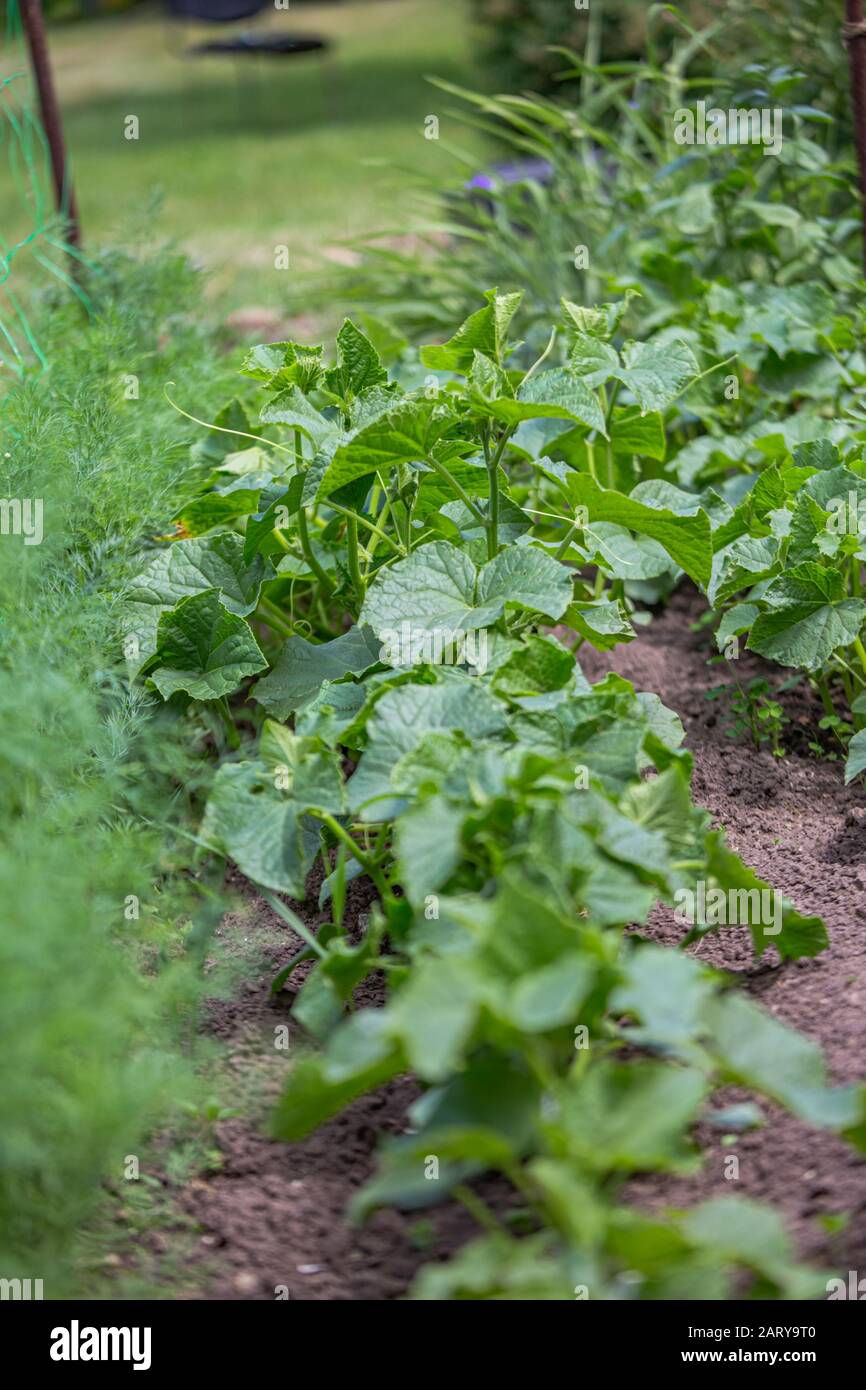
column 746, row 261
column 376, row 603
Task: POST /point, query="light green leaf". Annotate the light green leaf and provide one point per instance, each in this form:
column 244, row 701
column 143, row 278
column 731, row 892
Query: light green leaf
column 291, row 408
column 666, row 991
column 736, row 621
column 800, row 936
column 485, row 331
column 631, row 1116
column 539, row 664
column 756, row 1050
column 523, row 577
column 428, row 845
column 438, row 587
column 741, row 565
column 623, row 555
column 739, row 1230
column 655, row 373
column 602, row 622
column 433, row 1015
column 687, row 539
column 808, row 618
column 402, row 717
column 634, row 433
column 551, row 997
column 856, row 760
column 359, row 367
column 260, row 828
column 408, row 432
column 361, row 1055
column 305, row 768
column 592, row 359
column 557, row 394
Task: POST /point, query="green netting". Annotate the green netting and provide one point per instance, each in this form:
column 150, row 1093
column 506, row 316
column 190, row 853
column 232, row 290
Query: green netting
column 34, row 253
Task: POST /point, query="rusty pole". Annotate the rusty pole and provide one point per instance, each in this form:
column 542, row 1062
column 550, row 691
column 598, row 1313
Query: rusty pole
column 34, row 29
column 854, row 34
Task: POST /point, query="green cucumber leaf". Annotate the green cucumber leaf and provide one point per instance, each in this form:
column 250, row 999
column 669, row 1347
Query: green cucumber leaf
column 808, row 617
column 260, row 827
column 438, row 587
column 301, row 667
column 687, row 539
column 203, row 649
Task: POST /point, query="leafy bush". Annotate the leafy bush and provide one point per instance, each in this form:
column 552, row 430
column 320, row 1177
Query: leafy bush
column 517, row 36
column 519, row 40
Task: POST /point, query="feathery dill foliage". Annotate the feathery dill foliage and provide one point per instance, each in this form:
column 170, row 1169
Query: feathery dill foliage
column 92, row 1005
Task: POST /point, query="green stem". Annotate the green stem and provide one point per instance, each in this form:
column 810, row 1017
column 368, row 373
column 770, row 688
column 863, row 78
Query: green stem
column 861, row 652
column 291, row 919
column 232, row 735
column 306, row 547
column 270, row 614
column 221, row 429
column 538, row 361
column 858, row 676
column 369, row 525
column 562, row 549
column 340, row 832
column 493, row 514
column 493, row 504
column 608, row 417
column 303, row 528
column 458, row 489
column 590, row 458
column 352, row 557
column 478, row 1209
column 826, row 698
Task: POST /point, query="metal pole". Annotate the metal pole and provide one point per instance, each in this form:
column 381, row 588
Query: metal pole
column 34, row 28
column 854, row 34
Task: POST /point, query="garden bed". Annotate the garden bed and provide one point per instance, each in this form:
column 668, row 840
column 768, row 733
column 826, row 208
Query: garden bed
column 274, row 1215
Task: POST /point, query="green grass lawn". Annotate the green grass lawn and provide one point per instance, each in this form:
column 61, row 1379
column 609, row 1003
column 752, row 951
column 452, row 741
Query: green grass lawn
column 253, row 153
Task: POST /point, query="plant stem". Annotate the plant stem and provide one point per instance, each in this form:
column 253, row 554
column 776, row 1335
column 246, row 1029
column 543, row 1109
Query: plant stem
column 271, row 615
column 590, row 458
column 538, row 361
column 369, row 525
column 232, row 735
column 826, row 698
column 291, row 919
column 352, row 557
column 306, row 547
column 493, row 506
column 493, row 513
column 458, row 489
column 303, row 529
column 340, row 832
column 478, row 1209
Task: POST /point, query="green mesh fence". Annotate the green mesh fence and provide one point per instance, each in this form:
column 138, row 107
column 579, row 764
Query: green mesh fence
column 34, row 254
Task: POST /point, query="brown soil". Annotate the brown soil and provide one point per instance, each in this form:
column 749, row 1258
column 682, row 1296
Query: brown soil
column 273, row 1215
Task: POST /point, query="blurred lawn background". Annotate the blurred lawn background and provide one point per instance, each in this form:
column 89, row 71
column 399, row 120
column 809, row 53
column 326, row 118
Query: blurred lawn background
column 241, row 155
